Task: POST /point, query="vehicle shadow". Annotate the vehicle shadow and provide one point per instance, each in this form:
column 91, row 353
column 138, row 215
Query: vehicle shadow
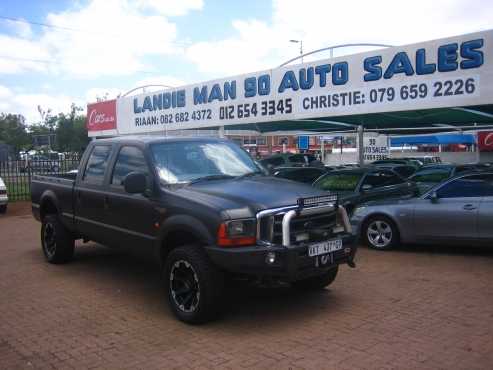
column 243, row 303
column 465, row 250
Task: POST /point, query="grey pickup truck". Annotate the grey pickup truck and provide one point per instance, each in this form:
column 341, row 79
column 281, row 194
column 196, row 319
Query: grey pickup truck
column 200, row 207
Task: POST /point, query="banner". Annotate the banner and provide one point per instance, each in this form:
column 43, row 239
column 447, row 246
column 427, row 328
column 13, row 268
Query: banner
column 451, row 72
column 485, row 141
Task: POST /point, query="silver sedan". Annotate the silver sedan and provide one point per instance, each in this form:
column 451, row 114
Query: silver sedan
column 458, row 211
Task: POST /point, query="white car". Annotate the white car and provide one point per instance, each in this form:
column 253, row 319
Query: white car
column 4, row 199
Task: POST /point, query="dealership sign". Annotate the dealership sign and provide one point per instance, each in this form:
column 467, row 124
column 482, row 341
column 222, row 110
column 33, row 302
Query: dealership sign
column 485, row 141
column 456, row 71
column 101, row 117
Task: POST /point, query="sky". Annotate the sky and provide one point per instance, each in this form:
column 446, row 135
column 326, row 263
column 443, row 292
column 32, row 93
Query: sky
column 58, row 52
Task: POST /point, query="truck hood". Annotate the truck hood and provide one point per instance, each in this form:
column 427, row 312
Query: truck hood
column 255, row 194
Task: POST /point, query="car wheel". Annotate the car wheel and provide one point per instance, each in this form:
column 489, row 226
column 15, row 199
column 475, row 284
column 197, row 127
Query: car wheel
column 317, row 282
column 380, row 233
column 194, row 285
column 57, row 242
column 3, row 208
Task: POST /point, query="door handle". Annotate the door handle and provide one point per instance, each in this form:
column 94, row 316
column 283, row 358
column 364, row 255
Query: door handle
column 106, row 201
column 469, row 207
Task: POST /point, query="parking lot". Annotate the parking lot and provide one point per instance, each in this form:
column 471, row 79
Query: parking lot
column 414, row 308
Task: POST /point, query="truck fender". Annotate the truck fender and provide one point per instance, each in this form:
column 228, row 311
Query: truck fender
column 48, row 197
column 184, row 224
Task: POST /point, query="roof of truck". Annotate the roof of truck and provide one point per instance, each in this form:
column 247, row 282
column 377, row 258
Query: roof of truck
column 155, row 138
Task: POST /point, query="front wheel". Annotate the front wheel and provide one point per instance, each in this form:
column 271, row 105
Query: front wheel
column 318, row 282
column 194, row 285
column 380, row 233
column 3, row 208
column 57, row 242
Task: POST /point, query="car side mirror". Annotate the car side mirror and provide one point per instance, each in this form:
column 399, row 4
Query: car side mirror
column 434, row 197
column 366, row 187
column 135, row 183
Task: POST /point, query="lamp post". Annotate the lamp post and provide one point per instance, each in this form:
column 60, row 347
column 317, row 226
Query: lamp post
column 301, row 47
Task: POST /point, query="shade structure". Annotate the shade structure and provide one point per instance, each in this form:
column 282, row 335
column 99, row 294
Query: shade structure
column 405, row 122
column 443, row 139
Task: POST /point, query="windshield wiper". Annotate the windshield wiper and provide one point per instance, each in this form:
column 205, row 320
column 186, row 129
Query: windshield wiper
column 210, row 177
column 248, row 174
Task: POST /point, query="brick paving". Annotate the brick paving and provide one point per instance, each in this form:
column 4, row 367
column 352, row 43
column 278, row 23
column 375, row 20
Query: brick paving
column 416, row 308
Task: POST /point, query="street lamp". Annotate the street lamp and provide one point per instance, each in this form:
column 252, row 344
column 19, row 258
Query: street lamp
column 301, row 47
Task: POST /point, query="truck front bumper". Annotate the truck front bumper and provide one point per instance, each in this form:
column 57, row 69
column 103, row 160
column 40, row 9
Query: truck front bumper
column 289, row 263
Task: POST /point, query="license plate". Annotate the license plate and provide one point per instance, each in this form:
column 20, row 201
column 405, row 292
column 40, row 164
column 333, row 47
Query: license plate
column 328, row 246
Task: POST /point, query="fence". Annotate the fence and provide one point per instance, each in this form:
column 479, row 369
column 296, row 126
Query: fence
column 17, row 175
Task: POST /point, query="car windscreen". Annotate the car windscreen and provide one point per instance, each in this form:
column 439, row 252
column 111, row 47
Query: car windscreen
column 339, row 182
column 432, row 175
column 181, row 162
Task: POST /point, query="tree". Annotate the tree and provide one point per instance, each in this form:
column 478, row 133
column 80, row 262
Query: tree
column 13, row 131
column 71, row 132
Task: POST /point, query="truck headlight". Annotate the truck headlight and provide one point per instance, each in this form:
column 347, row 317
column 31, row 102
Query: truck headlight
column 237, row 233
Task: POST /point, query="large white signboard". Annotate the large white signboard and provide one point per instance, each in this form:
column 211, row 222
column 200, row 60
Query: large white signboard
column 456, row 71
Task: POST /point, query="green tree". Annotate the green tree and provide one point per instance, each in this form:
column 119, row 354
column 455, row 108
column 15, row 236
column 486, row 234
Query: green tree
column 13, row 131
column 71, row 132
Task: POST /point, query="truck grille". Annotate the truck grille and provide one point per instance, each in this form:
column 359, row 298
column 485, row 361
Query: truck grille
column 304, row 229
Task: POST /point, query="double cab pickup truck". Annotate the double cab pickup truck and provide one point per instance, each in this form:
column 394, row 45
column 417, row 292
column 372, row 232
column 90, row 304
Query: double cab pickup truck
column 201, row 208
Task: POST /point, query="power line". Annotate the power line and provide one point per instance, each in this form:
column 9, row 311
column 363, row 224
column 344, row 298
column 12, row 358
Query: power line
column 63, row 28
column 51, row 62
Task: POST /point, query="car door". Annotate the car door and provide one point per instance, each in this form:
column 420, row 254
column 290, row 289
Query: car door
column 89, row 195
column 453, row 215
column 485, row 214
column 132, row 217
column 382, row 184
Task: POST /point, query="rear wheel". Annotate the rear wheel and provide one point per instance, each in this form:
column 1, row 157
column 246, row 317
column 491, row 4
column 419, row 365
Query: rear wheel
column 318, row 282
column 194, row 285
column 3, row 208
column 380, row 233
column 57, row 242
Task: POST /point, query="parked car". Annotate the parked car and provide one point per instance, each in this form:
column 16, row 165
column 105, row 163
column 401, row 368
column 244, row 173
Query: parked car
column 306, row 175
column 429, row 176
column 458, row 211
column 364, row 184
column 402, row 170
column 426, row 159
column 4, row 198
column 290, row 160
column 405, row 162
column 40, row 164
column 202, row 209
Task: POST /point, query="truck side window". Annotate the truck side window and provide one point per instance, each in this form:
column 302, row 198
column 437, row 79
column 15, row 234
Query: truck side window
column 96, row 165
column 130, row 159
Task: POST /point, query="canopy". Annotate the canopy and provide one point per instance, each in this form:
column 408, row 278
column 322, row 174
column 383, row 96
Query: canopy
column 444, row 139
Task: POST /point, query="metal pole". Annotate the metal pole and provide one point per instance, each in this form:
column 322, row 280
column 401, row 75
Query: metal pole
column 361, row 133
column 301, row 50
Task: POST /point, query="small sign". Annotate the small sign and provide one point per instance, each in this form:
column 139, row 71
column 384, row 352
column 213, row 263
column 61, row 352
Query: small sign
column 375, row 148
column 303, row 142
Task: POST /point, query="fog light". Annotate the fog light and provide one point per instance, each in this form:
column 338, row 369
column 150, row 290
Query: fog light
column 270, row 258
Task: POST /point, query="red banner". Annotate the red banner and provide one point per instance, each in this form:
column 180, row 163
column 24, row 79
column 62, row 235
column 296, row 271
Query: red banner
column 101, row 116
column 485, row 141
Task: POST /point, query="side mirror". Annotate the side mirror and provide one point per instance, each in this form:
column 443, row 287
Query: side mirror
column 135, row 183
column 366, row 187
column 434, row 197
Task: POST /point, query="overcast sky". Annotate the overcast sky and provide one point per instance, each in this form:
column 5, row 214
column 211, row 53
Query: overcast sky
column 89, row 48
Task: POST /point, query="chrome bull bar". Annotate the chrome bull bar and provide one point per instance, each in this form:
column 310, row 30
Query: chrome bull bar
column 291, row 212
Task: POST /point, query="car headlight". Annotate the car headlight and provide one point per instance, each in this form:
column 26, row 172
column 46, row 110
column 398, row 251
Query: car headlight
column 359, row 210
column 237, row 233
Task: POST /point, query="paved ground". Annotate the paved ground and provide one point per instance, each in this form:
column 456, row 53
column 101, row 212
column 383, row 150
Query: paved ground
column 417, row 308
